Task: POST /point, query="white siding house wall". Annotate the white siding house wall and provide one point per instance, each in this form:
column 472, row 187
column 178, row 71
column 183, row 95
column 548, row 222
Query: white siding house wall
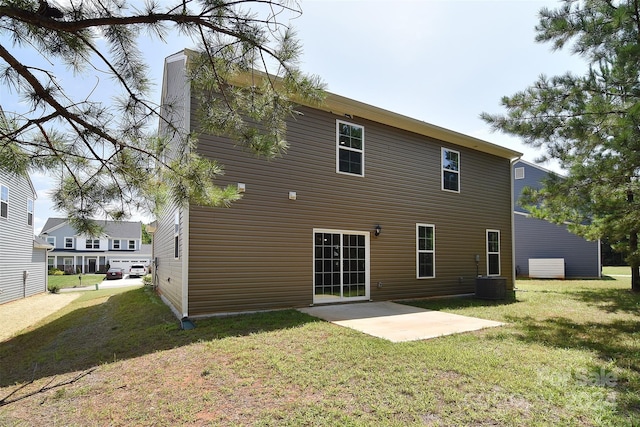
column 22, row 267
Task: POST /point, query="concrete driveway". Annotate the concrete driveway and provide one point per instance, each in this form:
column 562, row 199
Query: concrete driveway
column 107, row 284
column 397, row 322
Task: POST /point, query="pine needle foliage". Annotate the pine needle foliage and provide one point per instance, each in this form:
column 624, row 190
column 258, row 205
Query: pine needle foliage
column 589, row 123
column 106, row 157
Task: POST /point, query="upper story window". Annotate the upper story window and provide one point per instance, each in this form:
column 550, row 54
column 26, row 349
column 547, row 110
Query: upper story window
column 450, row 170
column 92, row 244
column 51, row 240
column 519, row 173
column 4, row 201
column 29, row 212
column 68, row 242
column 350, row 148
column 116, row 244
column 132, row 244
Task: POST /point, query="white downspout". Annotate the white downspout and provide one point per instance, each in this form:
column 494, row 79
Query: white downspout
column 513, row 225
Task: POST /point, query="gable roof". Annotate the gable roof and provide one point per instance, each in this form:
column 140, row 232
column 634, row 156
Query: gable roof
column 131, row 229
column 350, row 108
column 53, row 224
column 5, row 175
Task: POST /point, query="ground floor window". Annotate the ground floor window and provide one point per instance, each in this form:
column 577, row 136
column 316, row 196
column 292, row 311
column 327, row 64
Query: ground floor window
column 341, row 265
column 493, row 252
column 68, row 265
column 425, row 251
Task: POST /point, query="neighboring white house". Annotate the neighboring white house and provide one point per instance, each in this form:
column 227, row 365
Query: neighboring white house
column 23, row 258
column 120, row 245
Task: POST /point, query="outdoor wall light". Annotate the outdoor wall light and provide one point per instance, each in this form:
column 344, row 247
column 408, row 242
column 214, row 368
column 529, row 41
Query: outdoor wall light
column 378, row 230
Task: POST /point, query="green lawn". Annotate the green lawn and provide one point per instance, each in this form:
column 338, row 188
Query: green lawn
column 616, row 271
column 73, row 280
column 569, row 356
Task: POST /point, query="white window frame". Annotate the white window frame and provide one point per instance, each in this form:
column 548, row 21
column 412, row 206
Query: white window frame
column 176, row 235
column 493, row 253
column 113, row 244
column 355, row 150
column 425, row 251
column 443, row 169
column 367, row 247
column 51, row 240
column 30, row 212
column 91, row 244
column 73, row 243
column 129, row 244
column 4, row 201
column 69, row 264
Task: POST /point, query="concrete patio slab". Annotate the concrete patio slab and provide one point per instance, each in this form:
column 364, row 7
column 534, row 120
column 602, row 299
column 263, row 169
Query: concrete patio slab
column 397, row 322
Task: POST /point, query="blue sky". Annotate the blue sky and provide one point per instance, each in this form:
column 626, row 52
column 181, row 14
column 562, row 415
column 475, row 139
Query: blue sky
column 443, row 62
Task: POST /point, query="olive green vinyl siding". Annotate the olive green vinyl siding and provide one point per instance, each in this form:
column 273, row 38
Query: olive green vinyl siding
column 169, row 274
column 258, row 254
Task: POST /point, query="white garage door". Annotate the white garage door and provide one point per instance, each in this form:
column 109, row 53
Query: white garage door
column 127, row 263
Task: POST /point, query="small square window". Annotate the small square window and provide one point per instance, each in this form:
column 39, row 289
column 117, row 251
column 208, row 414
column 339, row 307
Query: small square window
column 519, row 173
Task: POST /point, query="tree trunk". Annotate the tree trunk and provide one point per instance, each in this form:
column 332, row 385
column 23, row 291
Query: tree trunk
column 633, row 249
column 635, row 268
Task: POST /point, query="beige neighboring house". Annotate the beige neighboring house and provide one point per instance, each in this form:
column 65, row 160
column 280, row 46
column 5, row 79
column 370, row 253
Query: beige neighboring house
column 23, row 257
column 120, row 245
column 366, row 204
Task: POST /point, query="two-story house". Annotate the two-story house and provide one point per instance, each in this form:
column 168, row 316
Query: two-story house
column 120, row 245
column 366, row 204
column 544, row 249
column 23, row 258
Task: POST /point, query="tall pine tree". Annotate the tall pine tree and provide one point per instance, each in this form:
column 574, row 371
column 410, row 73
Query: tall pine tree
column 590, row 123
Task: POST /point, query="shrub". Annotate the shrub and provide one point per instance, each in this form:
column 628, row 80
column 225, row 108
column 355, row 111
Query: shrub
column 55, row 272
column 147, row 280
column 54, row 289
